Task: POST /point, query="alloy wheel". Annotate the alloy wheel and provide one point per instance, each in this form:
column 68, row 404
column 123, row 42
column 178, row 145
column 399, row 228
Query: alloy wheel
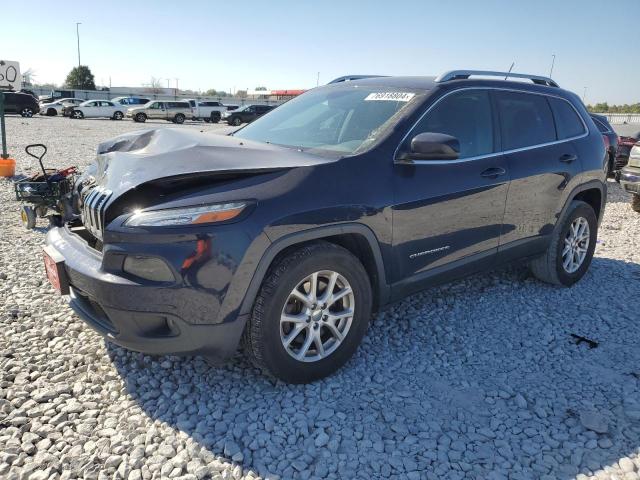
column 576, row 244
column 26, row 112
column 317, row 316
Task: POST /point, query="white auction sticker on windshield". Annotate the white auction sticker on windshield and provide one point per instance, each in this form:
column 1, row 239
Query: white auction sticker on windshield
column 390, row 96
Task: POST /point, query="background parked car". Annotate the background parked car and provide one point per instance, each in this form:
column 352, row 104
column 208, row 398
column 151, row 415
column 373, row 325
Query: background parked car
column 625, row 144
column 129, row 102
column 176, row 112
column 20, row 103
column 206, row 110
column 246, row 114
column 630, row 177
column 98, row 109
column 610, row 141
column 57, row 108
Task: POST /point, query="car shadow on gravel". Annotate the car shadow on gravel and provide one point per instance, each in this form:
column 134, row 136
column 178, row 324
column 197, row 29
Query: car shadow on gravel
column 480, row 378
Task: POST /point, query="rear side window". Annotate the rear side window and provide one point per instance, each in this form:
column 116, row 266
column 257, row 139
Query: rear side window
column 526, row 120
column 601, row 126
column 568, row 123
column 464, row 115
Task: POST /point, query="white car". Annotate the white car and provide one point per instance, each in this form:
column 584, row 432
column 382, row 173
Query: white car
column 52, row 109
column 206, row 110
column 99, row 109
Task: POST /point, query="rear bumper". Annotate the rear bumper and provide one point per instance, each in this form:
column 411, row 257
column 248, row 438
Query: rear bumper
column 630, row 179
column 150, row 318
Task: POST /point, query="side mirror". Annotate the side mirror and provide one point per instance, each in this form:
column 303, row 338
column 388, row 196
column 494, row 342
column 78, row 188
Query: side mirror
column 433, row 146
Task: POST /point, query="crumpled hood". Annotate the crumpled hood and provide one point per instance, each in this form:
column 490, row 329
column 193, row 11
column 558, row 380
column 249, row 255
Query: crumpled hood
column 133, row 159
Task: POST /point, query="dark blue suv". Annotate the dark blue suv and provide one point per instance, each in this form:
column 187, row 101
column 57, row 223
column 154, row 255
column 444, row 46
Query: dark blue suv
column 290, row 232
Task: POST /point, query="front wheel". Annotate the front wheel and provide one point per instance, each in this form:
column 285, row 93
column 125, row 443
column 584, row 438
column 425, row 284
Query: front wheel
column 310, row 314
column 179, row 118
column 236, row 122
column 118, row 116
column 140, row 118
column 215, row 117
column 52, row 112
column 635, row 203
column 28, row 217
column 77, row 114
column 27, row 112
column 571, row 249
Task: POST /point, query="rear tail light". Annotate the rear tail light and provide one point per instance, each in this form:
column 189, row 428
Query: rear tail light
column 607, row 143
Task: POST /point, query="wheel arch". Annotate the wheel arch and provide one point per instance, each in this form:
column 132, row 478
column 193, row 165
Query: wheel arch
column 357, row 238
column 594, row 193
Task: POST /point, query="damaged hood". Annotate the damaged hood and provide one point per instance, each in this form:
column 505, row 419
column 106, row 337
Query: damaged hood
column 128, row 161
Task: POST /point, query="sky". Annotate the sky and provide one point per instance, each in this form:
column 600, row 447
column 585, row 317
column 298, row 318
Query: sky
column 286, row 44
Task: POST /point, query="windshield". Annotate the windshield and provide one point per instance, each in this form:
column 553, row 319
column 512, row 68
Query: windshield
column 346, row 119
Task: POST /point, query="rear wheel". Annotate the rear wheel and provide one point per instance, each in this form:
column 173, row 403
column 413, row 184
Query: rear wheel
column 179, row 118
column 236, row 121
column 28, row 217
column 215, row 117
column 52, row 112
column 571, row 249
column 140, row 118
column 310, row 314
column 27, row 112
column 635, row 203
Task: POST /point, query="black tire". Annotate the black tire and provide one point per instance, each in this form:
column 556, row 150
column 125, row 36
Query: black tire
column 635, row 203
column 179, row 118
column 215, row 117
column 235, row 121
column 77, row 114
column 262, row 334
column 549, row 267
column 118, row 116
column 207, row 120
column 140, row 117
column 52, row 112
column 28, row 217
column 26, row 112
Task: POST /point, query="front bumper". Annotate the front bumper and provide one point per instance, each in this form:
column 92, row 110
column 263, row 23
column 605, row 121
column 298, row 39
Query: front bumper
column 630, row 179
column 142, row 316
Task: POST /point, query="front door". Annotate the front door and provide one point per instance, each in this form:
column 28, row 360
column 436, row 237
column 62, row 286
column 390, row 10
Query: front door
column 157, row 110
column 449, row 213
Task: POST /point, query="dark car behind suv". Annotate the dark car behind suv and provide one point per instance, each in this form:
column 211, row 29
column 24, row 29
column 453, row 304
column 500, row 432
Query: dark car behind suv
column 293, row 230
column 246, row 114
column 610, row 138
column 21, row 103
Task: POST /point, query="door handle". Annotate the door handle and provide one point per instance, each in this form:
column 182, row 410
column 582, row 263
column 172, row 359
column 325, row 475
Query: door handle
column 567, row 158
column 493, row 172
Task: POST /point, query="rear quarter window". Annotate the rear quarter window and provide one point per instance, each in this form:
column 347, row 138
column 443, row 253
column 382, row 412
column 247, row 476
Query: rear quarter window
column 568, row 123
column 526, row 120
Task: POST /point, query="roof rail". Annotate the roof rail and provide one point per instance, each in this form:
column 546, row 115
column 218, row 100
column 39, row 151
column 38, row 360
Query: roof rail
column 463, row 74
column 348, row 78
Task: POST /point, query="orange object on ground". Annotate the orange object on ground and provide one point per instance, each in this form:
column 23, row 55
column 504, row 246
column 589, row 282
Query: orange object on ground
column 7, row 167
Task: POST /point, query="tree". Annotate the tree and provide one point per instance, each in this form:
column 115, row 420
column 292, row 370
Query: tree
column 241, row 93
column 80, row 77
column 261, row 89
column 211, row 92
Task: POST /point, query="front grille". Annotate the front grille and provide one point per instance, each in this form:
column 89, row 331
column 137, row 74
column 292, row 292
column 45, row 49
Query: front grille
column 93, row 207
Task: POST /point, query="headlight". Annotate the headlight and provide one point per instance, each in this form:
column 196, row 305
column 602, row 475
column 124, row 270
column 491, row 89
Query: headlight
column 186, row 216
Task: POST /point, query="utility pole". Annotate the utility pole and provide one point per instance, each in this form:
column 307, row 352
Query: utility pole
column 176, row 79
column 553, row 61
column 168, row 83
column 78, row 38
column 584, row 94
column 318, row 79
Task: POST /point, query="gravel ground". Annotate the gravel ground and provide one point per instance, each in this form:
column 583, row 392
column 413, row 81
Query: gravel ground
column 479, row 379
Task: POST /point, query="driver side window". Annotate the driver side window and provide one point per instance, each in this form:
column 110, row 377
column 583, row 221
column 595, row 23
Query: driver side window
column 465, row 115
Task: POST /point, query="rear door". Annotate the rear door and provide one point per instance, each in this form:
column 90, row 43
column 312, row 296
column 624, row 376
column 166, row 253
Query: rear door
column 542, row 161
column 448, row 213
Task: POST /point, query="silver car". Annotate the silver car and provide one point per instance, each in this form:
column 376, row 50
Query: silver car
column 173, row 111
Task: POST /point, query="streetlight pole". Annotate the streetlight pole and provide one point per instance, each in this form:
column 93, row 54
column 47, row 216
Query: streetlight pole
column 78, row 38
column 553, row 61
column 584, row 94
